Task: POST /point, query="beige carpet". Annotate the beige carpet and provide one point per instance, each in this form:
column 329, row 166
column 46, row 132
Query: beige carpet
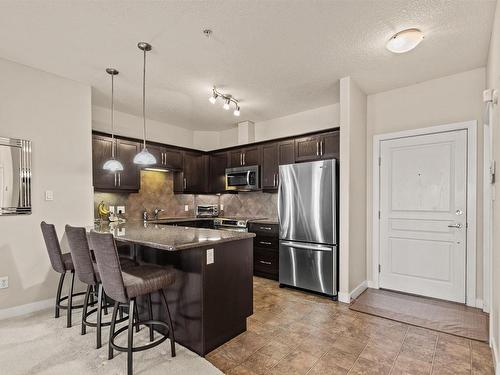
column 39, row 344
column 443, row 316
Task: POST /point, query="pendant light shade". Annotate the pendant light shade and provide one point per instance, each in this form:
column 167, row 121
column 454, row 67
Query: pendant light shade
column 112, row 164
column 144, row 157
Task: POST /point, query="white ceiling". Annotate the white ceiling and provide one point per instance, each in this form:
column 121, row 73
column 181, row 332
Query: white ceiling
column 278, row 57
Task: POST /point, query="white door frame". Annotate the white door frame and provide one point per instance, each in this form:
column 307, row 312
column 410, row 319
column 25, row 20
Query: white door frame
column 471, row 127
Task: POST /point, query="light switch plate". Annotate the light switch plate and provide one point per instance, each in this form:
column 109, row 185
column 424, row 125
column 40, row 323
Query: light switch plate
column 49, row 195
column 210, row 256
column 186, row 207
column 4, row 282
column 120, row 209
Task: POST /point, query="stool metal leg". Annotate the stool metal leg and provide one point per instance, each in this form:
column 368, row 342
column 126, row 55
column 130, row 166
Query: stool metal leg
column 99, row 315
column 58, row 295
column 170, row 324
column 70, row 300
column 136, row 314
column 112, row 329
column 150, row 310
column 132, row 309
column 85, row 308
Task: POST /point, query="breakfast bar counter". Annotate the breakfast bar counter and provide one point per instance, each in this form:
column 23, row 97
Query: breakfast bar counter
column 213, row 292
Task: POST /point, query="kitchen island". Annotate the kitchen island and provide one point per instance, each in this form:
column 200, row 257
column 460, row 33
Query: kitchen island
column 213, row 292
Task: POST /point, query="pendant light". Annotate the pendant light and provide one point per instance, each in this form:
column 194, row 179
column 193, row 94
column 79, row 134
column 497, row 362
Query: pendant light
column 144, row 157
column 112, row 164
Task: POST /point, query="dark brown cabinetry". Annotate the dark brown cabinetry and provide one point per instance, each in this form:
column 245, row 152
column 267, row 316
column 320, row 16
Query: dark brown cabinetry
column 244, row 156
column 126, row 180
column 269, row 170
column 265, row 250
column 193, row 177
column 286, row 152
column 166, row 158
column 217, row 174
column 317, row 147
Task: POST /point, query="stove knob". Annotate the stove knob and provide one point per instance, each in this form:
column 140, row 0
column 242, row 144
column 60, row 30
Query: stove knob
column 241, row 224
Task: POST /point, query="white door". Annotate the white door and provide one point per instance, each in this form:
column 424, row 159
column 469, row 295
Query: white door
column 423, row 201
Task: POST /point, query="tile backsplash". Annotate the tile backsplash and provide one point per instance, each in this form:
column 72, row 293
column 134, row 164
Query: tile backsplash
column 157, row 192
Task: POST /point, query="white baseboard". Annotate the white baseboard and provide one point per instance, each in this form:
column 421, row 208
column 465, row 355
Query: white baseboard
column 358, row 290
column 344, row 297
column 479, row 303
column 371, row 284
column 496, row 359
column 12, row 312
column 348, row 297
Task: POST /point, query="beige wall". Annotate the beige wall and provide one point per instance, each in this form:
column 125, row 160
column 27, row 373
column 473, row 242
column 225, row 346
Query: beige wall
column 54, row 113
column 493, row 81
column 439, row 101
column 353, row 106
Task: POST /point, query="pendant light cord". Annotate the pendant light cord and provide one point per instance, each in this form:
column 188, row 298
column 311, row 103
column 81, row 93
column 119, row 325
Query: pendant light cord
column 112, row 116
column 144, row 98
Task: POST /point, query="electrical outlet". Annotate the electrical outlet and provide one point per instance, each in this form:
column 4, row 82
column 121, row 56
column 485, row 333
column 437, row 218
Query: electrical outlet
column 49, row 195
column 222, row 207
column 186, row 208
column 4, row 282
column 210, row 256
column 120, row 209
column 112, row 209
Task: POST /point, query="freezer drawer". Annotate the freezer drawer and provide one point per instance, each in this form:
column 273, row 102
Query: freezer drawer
column 308, row 266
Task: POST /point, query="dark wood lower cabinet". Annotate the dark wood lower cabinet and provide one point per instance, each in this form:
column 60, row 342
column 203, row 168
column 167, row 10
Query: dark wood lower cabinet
column 265, row 250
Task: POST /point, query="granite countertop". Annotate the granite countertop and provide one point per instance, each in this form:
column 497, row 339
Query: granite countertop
column 168, row 237
column 168, row 220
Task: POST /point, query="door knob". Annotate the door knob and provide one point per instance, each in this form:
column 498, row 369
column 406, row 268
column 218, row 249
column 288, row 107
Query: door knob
column 458, row 226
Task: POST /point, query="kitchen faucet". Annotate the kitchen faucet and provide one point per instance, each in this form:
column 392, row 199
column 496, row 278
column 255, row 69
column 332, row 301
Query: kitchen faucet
column 156, row 212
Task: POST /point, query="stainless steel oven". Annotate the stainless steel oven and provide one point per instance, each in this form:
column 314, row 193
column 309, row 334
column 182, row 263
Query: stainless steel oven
column 245, row 178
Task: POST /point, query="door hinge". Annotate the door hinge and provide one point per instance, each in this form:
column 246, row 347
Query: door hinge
column 379, row 215
column 379, row 268
column 379, row 160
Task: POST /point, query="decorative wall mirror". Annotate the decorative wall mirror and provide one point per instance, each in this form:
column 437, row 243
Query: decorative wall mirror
column 15, row 176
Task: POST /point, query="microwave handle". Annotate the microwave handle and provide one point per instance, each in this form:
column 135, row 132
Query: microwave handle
column 248, row 177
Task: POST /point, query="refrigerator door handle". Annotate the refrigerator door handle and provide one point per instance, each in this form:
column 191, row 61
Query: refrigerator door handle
column 315, row 247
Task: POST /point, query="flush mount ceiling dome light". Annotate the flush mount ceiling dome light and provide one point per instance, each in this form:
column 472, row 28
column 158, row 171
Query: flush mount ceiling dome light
column 405, row 40
column 112, row 164
column 144, row 157
column 228, row 99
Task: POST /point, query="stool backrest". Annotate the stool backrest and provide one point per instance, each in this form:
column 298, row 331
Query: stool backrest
column 80, row 252
column 53, row 246
column 108, row 264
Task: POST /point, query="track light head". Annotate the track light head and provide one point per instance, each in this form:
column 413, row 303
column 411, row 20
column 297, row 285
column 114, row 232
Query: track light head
column 237, row 111
column 213, row 98
column 226, row 104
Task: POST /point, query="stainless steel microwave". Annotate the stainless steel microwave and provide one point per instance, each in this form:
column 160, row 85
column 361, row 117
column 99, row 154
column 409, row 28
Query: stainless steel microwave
column 245, row 178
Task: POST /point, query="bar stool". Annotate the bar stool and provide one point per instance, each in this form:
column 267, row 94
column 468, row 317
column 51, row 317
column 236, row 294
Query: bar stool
column 87, row 273
column 61, row 263
column 124, row 287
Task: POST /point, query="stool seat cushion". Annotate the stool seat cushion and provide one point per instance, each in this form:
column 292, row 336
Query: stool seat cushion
column 145, row 279
column 68, row 262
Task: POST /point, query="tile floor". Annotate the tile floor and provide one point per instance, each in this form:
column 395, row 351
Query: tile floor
column 294, row 333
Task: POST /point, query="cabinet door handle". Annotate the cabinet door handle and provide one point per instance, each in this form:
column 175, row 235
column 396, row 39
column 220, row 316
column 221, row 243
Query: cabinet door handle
column 321, row 146
column 185, row 183
column 115, row 178
column 241, row 158
column 162, row 158
column 119, row 179
column 265, row 243
column 317, row 148
column 244, row 157
column 264, row 262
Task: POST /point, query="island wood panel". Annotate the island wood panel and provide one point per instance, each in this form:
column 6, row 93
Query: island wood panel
column 209, row 303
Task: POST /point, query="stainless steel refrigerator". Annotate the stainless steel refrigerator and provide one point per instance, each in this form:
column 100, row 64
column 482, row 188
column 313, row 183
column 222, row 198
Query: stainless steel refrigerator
column 307, row 211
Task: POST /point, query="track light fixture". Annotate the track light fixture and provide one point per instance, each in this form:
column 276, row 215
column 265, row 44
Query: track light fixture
column 228, row 99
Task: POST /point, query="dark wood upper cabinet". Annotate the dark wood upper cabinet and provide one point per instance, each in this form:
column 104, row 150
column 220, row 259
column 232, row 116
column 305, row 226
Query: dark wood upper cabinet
column 101, row 151
column 167, row 158
column 330, row 147
column 217, row 175
column 269, row 170
column 244, row 156
column 193, row 177
column 286, row 152
column 317, row 147
column 129, row 178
